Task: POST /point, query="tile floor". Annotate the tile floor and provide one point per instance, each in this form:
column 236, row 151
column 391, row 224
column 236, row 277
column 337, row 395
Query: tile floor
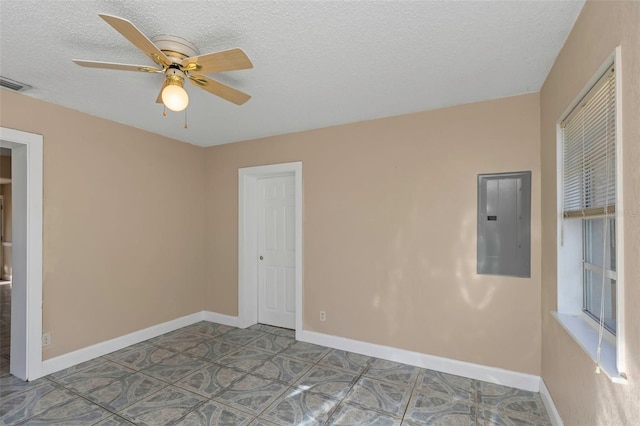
column 211, row 374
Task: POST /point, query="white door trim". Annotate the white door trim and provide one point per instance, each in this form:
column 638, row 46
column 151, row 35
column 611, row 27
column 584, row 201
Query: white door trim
column 26, row 336
column 248, row 239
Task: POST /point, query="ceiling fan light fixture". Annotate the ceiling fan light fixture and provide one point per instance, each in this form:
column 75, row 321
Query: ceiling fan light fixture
column 173, row 95
column 177, row 58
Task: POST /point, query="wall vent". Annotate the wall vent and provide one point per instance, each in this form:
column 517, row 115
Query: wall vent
column 13, row 85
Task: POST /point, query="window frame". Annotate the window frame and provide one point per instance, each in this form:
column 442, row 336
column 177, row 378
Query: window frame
column 570, row 291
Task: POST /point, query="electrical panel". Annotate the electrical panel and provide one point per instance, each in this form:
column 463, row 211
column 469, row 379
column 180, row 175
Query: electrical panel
column 504, row 224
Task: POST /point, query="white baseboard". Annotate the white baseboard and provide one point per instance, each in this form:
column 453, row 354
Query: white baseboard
column 220, row 318
column 85, row 354
column 460, row 368
column 556, row 420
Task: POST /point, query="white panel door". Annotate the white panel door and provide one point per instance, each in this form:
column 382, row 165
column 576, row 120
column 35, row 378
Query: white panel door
column 276, row 251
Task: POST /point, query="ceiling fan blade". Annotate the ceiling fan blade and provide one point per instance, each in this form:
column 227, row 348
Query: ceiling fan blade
column 114, row 66
column 222, row 90
column 159, row 98
column 228, row 60
column 139, row 40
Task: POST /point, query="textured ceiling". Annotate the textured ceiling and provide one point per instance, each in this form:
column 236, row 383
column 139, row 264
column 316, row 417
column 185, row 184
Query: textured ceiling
column 316, row 63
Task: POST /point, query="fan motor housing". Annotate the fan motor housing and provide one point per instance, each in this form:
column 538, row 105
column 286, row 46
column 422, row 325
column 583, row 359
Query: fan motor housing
column 175, row 48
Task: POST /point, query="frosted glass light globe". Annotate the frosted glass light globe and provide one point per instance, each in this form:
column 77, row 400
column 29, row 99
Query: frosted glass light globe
column 175, row 97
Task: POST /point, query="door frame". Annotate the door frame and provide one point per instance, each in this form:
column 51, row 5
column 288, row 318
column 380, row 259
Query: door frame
column 26, row 180
column 248, row 239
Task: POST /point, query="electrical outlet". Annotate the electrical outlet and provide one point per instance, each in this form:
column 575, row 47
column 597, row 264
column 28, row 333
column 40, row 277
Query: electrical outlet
column 46, row 339
column 323, row 316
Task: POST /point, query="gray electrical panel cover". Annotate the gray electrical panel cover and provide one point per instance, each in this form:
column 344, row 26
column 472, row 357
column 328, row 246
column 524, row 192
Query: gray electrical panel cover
column 504, row 224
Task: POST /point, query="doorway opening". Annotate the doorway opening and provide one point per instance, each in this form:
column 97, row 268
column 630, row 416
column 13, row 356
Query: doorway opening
column 5, row 259
column 25, row 360
column 248, row 239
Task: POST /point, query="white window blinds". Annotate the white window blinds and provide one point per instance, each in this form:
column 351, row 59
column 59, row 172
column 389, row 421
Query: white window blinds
column 589, row 135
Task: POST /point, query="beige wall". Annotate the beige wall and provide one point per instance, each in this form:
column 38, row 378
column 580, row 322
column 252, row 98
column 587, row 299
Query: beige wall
column 390, row 230
column 123, row 219
column 581, row 396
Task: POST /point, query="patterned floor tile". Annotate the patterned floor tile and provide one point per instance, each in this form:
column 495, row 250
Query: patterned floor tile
column 283, row 369
column 115, row 354
column 245, row 359
column 271, row 343
column 305, row 351
column 438, row 408
column 114, row 421
column 210, row 380
column 347, row 414
column 212, row 349
column 207, row 328
column 76, row 368
column 180, row 342
column 214, row 413
column 163, row 407
column 241, row 336
column 125, row 391
column 175, row 368
column 11, row 385
column 516, row 402
column 344, row 360
column 384, row 397
column 454, row 386
column 296, row 407
column 142, row 356
column 261, row 422
column 77, row 412
column 279, row 331
column 168, row 335
column 262, row 327
column 327, row 381
column 251, row 394
column 260, row 371
column 32, row 402
column 95, row 377
column 487, row 417
column 393, row 372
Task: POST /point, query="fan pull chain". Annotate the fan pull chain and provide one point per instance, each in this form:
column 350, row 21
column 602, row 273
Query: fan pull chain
column 185, row 119
column 164, row 110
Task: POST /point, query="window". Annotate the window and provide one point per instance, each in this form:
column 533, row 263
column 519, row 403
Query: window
column 599, row 277
column 589, row 192
column 590, row 238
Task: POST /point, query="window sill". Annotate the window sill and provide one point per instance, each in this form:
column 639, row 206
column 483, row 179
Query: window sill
column 587, row 337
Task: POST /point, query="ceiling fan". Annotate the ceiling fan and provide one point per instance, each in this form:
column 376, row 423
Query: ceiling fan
column 178, row 60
